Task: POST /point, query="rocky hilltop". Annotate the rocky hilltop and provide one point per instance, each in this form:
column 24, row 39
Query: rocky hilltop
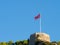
column 38, row 37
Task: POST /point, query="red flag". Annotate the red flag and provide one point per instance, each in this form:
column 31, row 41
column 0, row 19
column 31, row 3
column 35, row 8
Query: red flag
column 37, row 17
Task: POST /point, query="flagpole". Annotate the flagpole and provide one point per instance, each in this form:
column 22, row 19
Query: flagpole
column 40, row 23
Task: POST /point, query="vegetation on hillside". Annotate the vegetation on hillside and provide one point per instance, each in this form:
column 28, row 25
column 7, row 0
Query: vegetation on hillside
column 26, row 42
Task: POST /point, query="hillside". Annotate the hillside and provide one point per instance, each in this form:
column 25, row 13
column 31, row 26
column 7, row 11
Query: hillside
column 26, row 42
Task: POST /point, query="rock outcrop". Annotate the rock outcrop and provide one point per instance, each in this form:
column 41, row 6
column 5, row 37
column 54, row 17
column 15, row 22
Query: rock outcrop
column 38, row 37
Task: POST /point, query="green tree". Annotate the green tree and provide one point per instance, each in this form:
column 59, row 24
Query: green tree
column 10, row 42
column 25, row 42
column 47, row 43
column 3, row 43
column 58, row 42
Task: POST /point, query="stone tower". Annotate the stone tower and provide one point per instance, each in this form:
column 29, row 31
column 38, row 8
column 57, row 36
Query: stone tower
column 38, row 37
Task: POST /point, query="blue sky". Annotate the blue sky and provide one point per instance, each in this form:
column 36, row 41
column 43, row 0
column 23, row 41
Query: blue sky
column 17, row 19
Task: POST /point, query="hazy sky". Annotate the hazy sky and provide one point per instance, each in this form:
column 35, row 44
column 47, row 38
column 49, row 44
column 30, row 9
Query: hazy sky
column 17, row 19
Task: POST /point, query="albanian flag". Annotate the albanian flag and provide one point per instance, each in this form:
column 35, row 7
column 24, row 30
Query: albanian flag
column 37, row 17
